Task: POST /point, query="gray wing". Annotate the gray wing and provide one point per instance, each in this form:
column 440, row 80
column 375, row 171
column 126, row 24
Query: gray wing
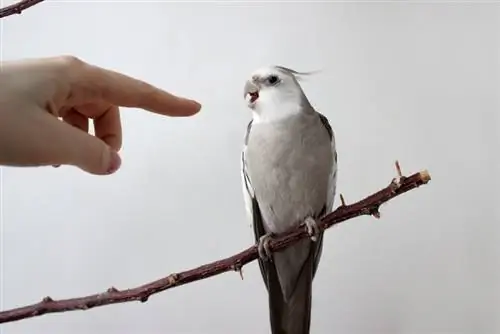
column 332, row 182
column 251, row 204
column 332, row 187
column 267, row 270
column 248, row 192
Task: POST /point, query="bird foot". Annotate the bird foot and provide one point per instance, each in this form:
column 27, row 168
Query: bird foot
column 263, row 247
column 312, row 228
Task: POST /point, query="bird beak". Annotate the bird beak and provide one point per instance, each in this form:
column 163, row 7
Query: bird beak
column 251, row 91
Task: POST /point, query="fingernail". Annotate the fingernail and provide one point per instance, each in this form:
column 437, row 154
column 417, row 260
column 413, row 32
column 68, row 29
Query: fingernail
column 116, row 162
column 196, row 105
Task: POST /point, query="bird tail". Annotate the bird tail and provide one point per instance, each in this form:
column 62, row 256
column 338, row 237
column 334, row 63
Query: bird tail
column 292, row 316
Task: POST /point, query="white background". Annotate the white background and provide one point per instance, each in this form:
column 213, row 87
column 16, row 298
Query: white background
column 408, row 81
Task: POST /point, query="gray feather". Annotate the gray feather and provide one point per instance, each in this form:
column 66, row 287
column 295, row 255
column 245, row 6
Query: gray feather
column 289, row 172
column 293, row 72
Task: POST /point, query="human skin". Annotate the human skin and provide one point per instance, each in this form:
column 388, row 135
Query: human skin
column 46, row 105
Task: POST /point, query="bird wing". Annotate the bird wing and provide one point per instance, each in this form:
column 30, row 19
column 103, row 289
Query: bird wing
column 251, row 204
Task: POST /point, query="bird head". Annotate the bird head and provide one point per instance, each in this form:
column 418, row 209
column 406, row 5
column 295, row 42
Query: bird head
column 274, row 92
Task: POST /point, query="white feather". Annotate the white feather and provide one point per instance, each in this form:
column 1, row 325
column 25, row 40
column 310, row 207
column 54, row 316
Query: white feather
column 247, row 190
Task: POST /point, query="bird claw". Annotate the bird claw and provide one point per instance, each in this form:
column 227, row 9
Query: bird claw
column 263, row 247
column 312, row 228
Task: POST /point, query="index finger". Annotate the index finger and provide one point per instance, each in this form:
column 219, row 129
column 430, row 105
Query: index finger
column 121, row 90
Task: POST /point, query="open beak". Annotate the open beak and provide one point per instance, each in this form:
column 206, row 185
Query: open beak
column 251, row 93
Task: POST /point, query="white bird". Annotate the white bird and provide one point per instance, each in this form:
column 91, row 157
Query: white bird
column 289, row 174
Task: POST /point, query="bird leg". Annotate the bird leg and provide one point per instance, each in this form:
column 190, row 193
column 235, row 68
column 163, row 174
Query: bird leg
column 263, row 246
column 312, row 228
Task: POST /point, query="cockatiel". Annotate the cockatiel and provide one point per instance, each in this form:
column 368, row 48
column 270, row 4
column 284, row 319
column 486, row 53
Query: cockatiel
column 289, row 174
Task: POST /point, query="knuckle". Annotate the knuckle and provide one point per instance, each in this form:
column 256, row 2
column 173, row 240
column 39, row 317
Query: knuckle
column 69, row 60
column 69, row 63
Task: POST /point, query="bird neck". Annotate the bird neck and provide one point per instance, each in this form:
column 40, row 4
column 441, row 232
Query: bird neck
column 276, row 110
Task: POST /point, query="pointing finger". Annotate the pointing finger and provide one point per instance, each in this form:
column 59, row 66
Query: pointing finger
column 121, row 90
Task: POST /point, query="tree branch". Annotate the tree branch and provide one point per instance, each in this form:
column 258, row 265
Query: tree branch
column 18, row 7
column 368, row 206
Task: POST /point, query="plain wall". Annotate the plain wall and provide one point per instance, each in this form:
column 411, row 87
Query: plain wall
column 408, row 81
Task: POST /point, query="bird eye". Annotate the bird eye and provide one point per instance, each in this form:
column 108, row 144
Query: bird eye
column 273, row 79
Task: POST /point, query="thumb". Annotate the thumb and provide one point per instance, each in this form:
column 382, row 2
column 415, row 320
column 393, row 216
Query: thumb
column 91, row 154
column 64, row 144
column 96, row 157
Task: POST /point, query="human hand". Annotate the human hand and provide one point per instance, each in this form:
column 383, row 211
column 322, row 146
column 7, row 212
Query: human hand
column 34, row 93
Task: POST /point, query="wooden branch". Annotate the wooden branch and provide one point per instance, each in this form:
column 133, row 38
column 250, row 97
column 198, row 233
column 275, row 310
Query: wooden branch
column 368, row 206
column 18, row 7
